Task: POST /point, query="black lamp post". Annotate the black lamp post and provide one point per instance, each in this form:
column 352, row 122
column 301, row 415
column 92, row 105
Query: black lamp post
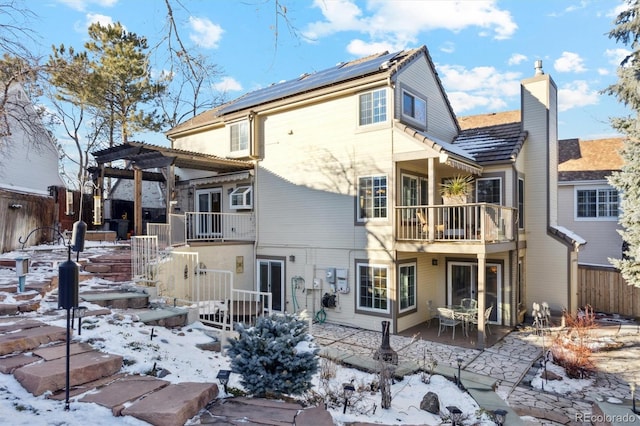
column 348, row 392
column 632, row 385
column 500, row 415
column 459, row 361
column 223, row 377
column 456, row 415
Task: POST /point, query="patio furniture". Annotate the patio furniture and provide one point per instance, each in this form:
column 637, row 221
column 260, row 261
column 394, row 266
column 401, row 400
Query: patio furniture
column 473, row 319
column 469, row 303
column 439, row 228
column 447, row 318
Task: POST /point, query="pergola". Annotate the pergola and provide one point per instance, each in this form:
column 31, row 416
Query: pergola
column 141, row 157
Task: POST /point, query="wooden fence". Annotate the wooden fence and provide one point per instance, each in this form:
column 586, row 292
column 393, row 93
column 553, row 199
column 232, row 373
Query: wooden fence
column 605, row 290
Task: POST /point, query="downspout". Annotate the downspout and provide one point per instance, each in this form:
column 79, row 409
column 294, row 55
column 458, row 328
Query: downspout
column 519, row 274
column 255, row 155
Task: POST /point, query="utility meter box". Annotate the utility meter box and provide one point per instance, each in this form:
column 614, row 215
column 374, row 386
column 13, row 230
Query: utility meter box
column 22, row 266
column 331, row 275
column 342, row 283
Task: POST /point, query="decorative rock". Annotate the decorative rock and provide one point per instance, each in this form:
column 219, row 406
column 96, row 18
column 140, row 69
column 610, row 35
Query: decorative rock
column 550, row 375
column 430, row 403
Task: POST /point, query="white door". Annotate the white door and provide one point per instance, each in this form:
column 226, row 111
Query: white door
column 270, row 279
column 209, row 206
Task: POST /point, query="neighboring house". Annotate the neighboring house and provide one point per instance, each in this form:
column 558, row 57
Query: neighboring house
column 587, row 203
column 30, row 183
column 325, row 189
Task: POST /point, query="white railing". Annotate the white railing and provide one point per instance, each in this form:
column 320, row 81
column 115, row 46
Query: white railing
column 476, row 222
column 181, row 282
column 144, row 259
column 177, row 229
column 162, row 231
column 219, row 226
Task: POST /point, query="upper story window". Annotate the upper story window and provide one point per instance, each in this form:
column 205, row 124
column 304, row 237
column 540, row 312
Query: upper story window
column 373, row 107
column 239, row 133
column 489, row 190
column 414, row 108
column 597, row 203
column 241, row 198
column 372, row 198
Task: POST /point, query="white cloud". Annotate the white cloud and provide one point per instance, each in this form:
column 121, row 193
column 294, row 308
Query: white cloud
column 93, row 18
column 616, row 56
column 401, row 23
column 516, row 59
column 576, row 94
column 603, row 71
column 81, row 5
column 448, row 47
column 228, row 84
column 569, row 62
column 358, row 47
column 205, row 33
column 479, row 87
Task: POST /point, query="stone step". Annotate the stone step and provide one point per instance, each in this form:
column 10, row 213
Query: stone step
column 117, row 300
column 164, row 317
column 173, row 404
column 124, row 390
column 26, row 339
column 51, row 375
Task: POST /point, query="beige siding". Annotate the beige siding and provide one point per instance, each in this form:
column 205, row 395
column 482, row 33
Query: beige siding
column 419, row 79
column 603, row 240
column 547, row 258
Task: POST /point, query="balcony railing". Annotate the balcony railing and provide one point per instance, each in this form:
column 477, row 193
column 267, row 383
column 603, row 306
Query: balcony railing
column 475, row 222
column 219, row 226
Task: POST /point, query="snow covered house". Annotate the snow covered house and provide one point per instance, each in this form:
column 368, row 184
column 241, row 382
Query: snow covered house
column 325, row 191
column 30, row 184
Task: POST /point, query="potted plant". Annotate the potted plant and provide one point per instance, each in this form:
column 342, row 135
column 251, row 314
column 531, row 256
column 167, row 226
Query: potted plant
column 456, row 190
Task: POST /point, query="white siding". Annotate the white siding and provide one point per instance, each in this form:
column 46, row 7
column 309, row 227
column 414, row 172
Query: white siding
column 419, row 79
column 29, row 163
column 603, row 240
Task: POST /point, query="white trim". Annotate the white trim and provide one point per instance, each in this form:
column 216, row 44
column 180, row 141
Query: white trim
column 365, row 308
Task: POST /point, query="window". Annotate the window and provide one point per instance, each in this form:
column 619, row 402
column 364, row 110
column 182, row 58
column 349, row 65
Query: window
column 372, row 197
column 372, row 287
column 241, row 197
column 414, row 107
column 373, row 107
column 488, row 190
column 407, row 286
column 597, row 203
column 239, row 136
column 520, row 203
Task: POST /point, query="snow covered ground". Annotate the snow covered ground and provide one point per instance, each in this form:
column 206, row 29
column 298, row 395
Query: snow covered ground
column 175, row 351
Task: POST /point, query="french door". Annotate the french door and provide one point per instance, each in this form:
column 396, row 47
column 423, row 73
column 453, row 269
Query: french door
column 271, row 280
column 209, row 205
column 463, row 282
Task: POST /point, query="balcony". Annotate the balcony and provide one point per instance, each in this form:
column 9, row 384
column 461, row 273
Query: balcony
column 205, row 227
column 473, row 223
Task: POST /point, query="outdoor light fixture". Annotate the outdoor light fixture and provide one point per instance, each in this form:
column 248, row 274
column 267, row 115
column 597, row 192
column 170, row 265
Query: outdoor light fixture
column 348, row 392
column 632, row 385
column 459, row 360
column 456, row 414
column 223, row 377
column 79, row 312
column 500, row 416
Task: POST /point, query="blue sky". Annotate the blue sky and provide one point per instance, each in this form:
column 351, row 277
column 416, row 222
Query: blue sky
column 482, row 49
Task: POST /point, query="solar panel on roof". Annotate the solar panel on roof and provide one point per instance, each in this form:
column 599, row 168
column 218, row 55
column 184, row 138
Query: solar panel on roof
column 339, row 73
